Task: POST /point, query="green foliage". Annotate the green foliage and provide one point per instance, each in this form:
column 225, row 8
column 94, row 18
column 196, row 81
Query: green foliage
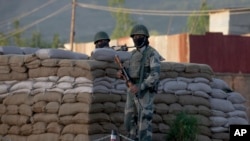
column 124, row 23
column 183, row 128
column 199, row 24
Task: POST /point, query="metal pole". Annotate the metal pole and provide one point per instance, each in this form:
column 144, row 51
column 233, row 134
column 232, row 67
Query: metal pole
column 72, row 28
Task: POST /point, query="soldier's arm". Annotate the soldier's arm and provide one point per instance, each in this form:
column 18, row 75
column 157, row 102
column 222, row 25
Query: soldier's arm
column 154, row 75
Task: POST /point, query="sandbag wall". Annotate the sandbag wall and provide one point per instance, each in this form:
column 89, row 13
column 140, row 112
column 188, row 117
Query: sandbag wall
column 82, row 100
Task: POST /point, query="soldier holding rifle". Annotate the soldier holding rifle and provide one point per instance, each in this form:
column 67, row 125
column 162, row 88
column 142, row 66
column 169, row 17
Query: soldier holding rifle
column 142, row 76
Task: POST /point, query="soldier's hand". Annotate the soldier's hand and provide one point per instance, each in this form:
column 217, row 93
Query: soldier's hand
column 119, row 74
column 133, row 89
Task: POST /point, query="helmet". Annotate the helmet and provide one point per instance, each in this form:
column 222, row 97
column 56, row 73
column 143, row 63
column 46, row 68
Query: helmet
column 101, row 36
column 139, row 29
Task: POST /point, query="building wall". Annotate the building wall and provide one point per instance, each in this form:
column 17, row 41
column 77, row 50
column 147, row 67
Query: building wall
column 219, row 22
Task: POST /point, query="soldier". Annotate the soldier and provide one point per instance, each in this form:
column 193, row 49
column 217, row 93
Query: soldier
column 101, row 40
column 144, row 72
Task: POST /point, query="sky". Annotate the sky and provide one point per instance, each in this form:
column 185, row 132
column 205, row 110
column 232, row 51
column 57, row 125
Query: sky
column 51, row 17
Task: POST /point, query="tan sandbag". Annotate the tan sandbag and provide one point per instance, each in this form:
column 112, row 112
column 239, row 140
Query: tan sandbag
column 91, row 64
column 39, row 106
column 25, row 109
column 190, row 109
column 204, row 130
column 33, row 64
column 4, row 69
column 203, row 138
column 44, row 137
column 2, row 109
column 178, row 67
column 42, row 72
column 203, row 110
column 67, row 137
column 39, row 128
column 192, row 67
column 204, row 68
column 221, row 136
column 21, row 69
column 94, row 74
column 50, row 62
column 48, row 97
column 193, row 100
column 18, row 76
column 166, row 66
column 193, row 75
column 4, row 129
column 86, row 118
column 66, row 120
column 164, row 128
column 88, row 129
column 45, row 117
column 108, row 127
column 16, row 60
column 12, row 109
column 111, row 72
column 168, row 118
column 84, row 137
column 203, row 120
column 18, row 99
column 74, row 108
column 175, row 108
column 52, row 107
column 14, row 130
column 117, row 117
column 109, row 107
column 15, row 119
column 29, row 58
column 54, row 127
column 4, row 60
column 120, row 106
column 5, row 77
column 14, row 138
column 26, row 129
column 157, row 118
column 69, row 98
column 161, row 108
column 66, row 62
column 165, row 98
column 71, row 71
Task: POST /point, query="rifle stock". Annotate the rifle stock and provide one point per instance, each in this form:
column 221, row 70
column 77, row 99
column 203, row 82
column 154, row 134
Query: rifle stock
column 124, row 72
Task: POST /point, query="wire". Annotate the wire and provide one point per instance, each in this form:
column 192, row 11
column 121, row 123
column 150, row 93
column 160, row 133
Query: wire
column 161, row 12
column 25, row 14
column 38, row 21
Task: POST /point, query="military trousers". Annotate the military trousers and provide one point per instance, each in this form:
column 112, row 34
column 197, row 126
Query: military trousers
column 138, row 115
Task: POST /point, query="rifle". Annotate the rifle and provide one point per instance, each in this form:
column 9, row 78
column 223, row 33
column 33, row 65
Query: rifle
column 124, row 72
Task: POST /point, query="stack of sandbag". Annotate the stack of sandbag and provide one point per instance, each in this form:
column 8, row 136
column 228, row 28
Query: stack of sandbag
column 73, row 100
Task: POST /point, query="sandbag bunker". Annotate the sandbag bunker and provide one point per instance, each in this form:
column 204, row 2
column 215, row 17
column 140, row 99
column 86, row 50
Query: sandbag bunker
column 45, row 96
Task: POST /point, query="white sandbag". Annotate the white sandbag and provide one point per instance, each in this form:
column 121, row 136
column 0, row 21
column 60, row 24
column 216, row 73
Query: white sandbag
column 66, row 79
column 199, row 87
column 4, row 88
column 10, row 50
column 218, row 121
column 201, row 79
column 64, row 85
column 104, row 54
column 172, row 86
column 221, row 105
column 188, row 80
column 237, row 120
column 218, row 93
column 124, row 55
column 219, row 129
column 238, row 113
column 236, row 98
column 82, row 80
column 219, row 84
column 22, row 85
column 45, row 85
column 60, row 54
column 218, row 113
column 240, row 107
column 29, row 50
column 83, row 89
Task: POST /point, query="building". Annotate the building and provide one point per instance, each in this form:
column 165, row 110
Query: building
column 233, row 21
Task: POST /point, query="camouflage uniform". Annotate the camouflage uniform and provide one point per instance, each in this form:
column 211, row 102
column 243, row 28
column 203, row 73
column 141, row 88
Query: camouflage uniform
column 139, row 108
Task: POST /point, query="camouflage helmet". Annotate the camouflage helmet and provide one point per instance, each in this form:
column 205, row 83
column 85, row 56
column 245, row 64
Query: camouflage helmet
column 139, row 29
column 101, row 36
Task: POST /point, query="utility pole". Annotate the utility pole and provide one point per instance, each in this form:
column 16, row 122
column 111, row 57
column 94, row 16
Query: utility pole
column 72, row 28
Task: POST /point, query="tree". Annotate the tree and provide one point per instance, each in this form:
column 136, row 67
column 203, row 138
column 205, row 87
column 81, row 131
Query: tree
column 199, row 24
column 17, row 35
column 124, row 23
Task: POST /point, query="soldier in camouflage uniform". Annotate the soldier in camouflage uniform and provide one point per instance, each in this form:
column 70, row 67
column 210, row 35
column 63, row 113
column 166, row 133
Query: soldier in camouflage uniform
column 144, row 71
column 101, row 40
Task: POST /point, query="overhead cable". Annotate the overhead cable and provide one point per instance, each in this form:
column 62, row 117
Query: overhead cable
column 26, row 14
column 161, row 12
column 38, row 21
